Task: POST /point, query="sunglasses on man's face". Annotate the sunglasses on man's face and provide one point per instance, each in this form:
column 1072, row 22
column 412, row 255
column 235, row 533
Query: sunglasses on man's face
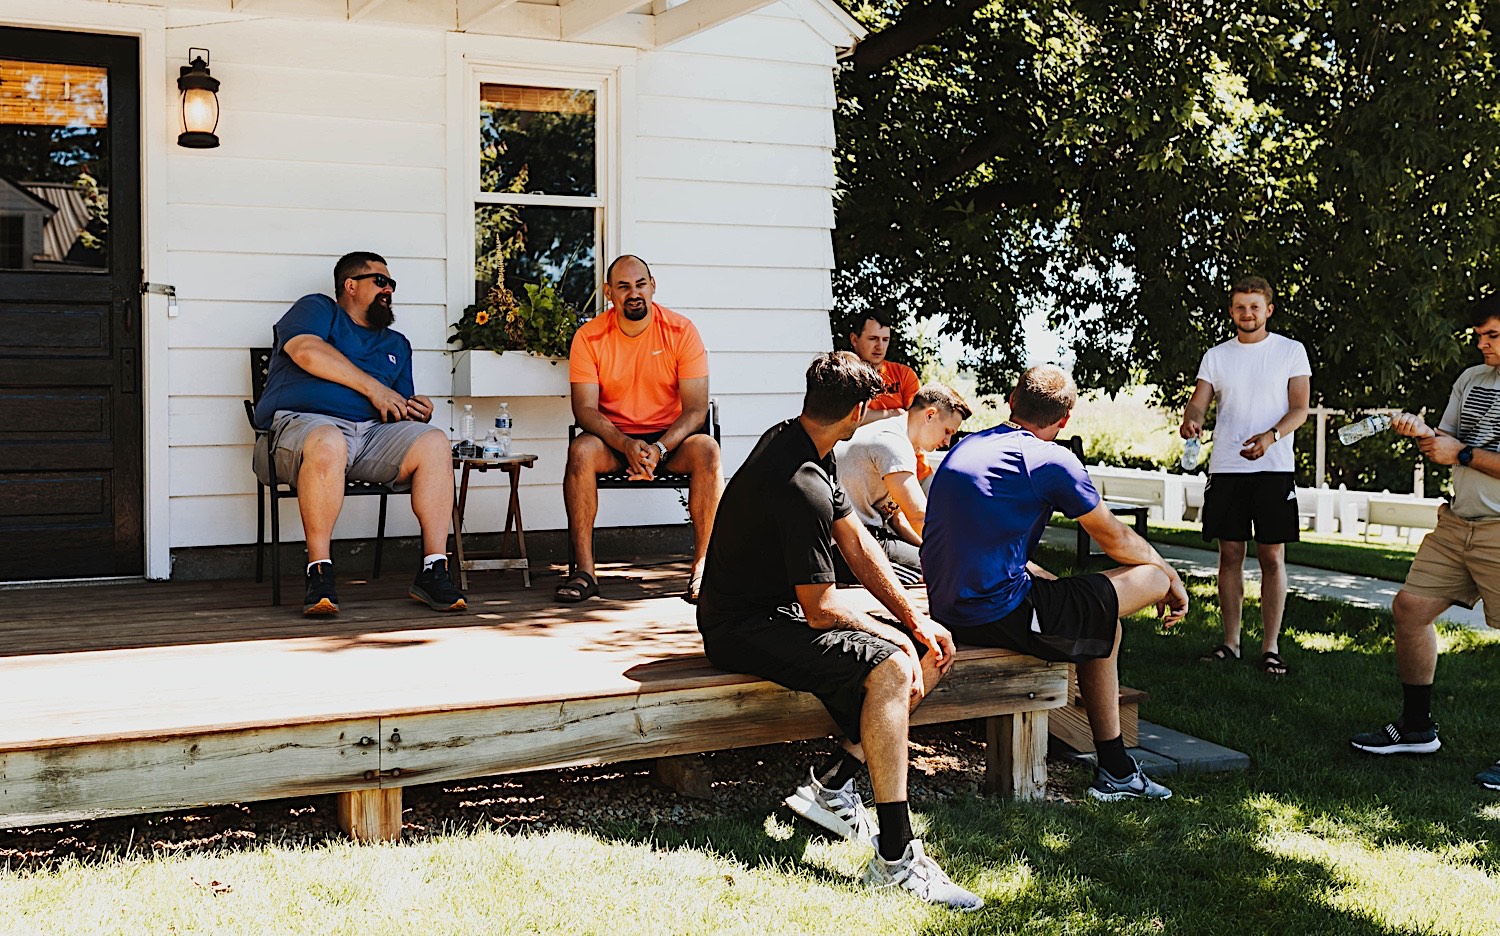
column 381, row 280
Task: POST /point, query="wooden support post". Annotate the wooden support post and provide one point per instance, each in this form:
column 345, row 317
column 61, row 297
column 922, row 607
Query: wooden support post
column 371, row 815
column 685, row 775
column 1016, row 755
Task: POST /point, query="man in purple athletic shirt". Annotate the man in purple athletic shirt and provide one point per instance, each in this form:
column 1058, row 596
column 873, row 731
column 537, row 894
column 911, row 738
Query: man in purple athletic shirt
column 988, row 504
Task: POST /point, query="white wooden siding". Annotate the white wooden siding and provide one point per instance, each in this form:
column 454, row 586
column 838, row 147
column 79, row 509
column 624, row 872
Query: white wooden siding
column 336, row 137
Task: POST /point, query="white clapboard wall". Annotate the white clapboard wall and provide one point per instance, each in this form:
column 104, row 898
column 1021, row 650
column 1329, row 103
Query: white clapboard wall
column 335, row 139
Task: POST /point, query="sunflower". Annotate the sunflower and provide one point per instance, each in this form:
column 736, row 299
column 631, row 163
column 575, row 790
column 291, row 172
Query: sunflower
column 481, row 317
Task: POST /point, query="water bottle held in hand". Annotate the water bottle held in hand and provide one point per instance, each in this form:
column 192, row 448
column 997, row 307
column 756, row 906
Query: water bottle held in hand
column 1192, row 449
column 1363, row 428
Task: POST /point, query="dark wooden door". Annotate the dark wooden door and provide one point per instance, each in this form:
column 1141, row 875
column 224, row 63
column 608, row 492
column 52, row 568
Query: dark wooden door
column 70, row 327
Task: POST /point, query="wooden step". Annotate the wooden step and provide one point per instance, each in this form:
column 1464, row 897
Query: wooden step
column 1070, row 724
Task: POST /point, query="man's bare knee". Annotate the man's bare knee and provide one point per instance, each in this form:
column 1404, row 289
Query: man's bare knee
column 1231, row 551
column 891, row 677
column 588, row 455
column 1416, row 612
column 1271, row 556
column 325, row 448
column 1138, row 587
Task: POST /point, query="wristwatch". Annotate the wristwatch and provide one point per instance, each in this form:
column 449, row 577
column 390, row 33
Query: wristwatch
column 1275, row 435
column 661, row 448
column 1466, row 455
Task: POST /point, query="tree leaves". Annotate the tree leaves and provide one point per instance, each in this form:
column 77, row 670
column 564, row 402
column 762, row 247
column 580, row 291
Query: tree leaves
column 1116, row 166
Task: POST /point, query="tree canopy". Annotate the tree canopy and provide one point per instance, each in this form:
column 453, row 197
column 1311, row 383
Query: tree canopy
column 1117, row 165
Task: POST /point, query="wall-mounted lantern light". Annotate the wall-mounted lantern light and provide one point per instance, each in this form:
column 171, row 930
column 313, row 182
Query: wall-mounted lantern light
column 200, row 103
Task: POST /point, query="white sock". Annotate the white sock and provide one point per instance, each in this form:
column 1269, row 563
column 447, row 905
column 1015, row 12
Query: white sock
column 317, row 562
column 427, row 561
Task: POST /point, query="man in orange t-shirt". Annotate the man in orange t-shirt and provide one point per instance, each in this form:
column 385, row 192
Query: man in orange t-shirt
column 870, row 337
column 639, row 376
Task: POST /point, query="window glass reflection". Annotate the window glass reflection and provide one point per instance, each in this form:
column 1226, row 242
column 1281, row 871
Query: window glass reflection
column 54, row 166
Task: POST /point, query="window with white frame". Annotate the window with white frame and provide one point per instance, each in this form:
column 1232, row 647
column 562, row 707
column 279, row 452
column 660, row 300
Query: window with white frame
column 539, row 206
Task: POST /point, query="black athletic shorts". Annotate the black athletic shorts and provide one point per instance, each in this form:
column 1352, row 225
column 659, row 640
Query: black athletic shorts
column 1067, row 620
column 781, row 646
column 1260, row 506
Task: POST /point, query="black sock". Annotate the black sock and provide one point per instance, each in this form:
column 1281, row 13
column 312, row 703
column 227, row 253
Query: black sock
column 895, row 829
column 839, row 769
column 1112, row 757
column 1416, row 707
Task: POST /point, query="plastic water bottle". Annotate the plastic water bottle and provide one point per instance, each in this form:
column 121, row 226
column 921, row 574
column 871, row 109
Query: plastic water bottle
column 492, row 450
column 1368, row 426
column 503, row 426
column 466, row 447
column 1191, row 450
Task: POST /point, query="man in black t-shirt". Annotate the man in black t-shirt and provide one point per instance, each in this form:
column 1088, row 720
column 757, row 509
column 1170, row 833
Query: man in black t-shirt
column 769, row 607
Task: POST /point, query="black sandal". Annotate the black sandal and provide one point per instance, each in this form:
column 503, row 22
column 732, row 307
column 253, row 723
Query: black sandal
column 1272, row 664
column 1219, row 654
column 578, row 587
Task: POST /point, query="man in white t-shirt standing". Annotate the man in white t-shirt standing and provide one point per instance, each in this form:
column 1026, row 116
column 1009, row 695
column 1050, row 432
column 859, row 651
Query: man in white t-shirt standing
column 1262, row 382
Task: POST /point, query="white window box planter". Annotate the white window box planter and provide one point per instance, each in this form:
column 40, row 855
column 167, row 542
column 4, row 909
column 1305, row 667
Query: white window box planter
column 512, row 374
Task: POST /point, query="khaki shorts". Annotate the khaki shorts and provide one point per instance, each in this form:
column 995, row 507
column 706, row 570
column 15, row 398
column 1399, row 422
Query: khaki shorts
column 376, row 450
column 1459, row 562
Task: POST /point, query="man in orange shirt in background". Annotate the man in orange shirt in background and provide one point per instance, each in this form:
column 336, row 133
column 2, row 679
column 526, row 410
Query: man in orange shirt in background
column 639, row 376
column 870, row 337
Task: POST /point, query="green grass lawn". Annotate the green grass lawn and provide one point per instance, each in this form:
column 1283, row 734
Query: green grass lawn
column 1313, row 839
column 1383, row 560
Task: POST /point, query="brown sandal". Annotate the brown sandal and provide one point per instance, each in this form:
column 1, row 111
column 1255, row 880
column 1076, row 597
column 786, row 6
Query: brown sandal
column 1272, row 664
column 1219, row 654
column 578, row 587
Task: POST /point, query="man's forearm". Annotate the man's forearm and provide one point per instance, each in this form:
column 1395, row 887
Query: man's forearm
column 689, row 422
column 874, row 572
column 597, row 424
column 321, row 359
column 842, row 618
column 1292, row 421
column 1486, row 462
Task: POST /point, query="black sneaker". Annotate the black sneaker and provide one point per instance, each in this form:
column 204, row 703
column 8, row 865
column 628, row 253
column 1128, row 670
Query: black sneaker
column 320, row 599
column 1393, row 739
column 1489, row 777
column 434, row 587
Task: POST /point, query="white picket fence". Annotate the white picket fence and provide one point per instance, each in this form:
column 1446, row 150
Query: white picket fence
column 1175, row 497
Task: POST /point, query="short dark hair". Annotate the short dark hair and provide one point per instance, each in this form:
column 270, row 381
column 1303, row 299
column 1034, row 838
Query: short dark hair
column 1483, row 309
column 837, row 381
column 351, row 264
column 944, row 398
column 858, row 320
column 1043, row 395
column 1251, row 284
column 609, row 271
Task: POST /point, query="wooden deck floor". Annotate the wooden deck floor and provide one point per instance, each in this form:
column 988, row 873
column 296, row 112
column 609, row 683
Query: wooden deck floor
column 79, row 664
column 141, row 697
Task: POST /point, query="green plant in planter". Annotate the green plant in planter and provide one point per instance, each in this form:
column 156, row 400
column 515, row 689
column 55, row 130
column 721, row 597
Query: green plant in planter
column 539, row 321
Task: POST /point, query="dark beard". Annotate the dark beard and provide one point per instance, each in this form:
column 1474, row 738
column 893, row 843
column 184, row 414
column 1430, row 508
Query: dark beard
column 637, row 314
column 380, row 314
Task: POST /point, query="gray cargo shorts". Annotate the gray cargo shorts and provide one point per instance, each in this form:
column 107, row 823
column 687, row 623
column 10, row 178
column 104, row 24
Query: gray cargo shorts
column 376, row 449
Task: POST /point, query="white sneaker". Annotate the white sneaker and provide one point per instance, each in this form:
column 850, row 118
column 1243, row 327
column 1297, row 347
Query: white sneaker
column 839, row 811
column 921, row 875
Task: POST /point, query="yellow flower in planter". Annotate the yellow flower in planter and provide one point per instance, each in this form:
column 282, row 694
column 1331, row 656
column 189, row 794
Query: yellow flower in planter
column 538, row 320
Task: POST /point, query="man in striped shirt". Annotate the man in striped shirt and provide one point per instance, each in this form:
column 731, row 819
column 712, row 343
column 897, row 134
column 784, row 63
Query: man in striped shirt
column 1459, row 562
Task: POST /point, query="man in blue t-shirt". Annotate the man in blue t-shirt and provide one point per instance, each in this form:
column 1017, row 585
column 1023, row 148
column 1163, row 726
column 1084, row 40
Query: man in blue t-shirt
column 988, row 504
column 339, row 404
